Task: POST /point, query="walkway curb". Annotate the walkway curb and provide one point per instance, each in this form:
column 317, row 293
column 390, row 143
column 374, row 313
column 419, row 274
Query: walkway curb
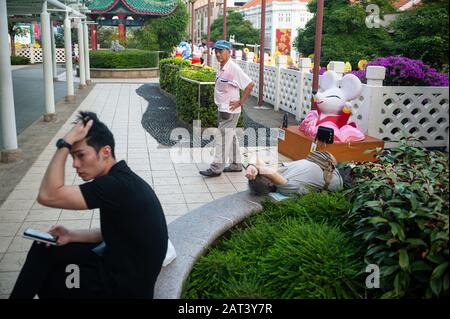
column 194, row 232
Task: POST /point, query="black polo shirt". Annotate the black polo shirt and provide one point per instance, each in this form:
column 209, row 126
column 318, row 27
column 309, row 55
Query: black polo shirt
column 134, row 230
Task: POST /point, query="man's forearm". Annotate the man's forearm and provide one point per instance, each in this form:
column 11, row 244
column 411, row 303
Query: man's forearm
column 246, row 93
column 54, row 176
column 86, row 236
column 272, row 174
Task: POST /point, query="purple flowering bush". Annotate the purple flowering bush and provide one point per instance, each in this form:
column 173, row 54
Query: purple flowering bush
column 401, row 71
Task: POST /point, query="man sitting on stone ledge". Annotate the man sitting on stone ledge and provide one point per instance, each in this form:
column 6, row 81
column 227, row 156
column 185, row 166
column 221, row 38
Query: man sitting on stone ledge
column 315, row 173
column 133, row 225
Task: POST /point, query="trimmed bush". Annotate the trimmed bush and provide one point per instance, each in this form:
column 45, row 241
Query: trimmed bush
column 19, row 60
column 168, row 71
column 401, row 214
column 126, row 59
column 187, row 96
column 283, row 255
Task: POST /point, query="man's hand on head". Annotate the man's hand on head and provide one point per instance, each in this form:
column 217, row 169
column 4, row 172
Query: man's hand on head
column 251, row 172
column 78, row 132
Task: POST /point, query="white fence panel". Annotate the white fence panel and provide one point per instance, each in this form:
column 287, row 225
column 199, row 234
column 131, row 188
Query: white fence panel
column 289, row 90
column 253, row 73
column 270, row 84
column 60, row 55
column 421, row 112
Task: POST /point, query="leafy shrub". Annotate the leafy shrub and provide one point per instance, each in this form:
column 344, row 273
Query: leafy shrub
column 168, row 71
column 187, row 97
column 289, row 236
column 401, row 215
column 19, row 60
column 126, row 59
column 406, row 72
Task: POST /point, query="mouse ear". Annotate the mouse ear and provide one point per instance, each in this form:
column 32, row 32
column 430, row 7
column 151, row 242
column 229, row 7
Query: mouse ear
column 351, row 86
column 328, row 80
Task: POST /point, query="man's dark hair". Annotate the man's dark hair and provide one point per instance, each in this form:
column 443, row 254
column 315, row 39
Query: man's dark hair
column 99, row 134
column 261, row 185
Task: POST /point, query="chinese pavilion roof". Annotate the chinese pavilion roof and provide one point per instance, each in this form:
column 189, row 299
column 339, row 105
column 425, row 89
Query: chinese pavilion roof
column 143, row 7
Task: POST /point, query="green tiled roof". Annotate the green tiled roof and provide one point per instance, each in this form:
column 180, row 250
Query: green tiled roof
column 146, row 7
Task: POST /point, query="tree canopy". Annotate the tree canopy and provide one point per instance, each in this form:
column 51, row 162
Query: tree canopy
column 345, row 35
column 242, row 29
column 422, row 33
column 163, row 33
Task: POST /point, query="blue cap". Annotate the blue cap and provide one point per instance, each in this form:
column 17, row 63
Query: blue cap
column 222, row 44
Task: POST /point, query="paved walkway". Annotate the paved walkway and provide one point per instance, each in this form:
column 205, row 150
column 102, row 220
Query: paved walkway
column 171, row 172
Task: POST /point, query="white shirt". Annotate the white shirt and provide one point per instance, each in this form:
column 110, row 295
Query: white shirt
column 229, row 81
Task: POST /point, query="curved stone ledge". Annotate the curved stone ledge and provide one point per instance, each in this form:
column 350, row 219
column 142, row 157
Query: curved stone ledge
column 194, row 232
column 125, row 73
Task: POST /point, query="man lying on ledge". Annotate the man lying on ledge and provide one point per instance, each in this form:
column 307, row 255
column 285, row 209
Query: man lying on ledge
column 315, row 173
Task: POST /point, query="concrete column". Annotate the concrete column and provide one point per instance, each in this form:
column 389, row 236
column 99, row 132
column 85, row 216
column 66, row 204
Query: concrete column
column 70, row 97
column 52, row 36
column 338, row 67
column 47, row 57
column 370, row 110
column 86, row 53
column 81, row 53
column 11, row 152
column 375, row 75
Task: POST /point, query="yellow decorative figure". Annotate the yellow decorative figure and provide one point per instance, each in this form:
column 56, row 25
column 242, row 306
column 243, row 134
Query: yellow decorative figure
column 362, row 64
column 328, row 67
column 347, row 67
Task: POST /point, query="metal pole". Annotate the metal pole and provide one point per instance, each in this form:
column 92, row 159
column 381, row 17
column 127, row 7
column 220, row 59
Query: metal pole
column 81, row 54
column 317, row 49
column 261, row 53
column 48, row 73
column 52, row 37
column 70, row 97
column 224, row 26
column 8, row 123
column 86, row 53
column 208, row 39
column 192, row 26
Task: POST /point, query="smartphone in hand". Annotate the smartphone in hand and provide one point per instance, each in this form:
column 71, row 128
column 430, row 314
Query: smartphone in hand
column 40, row 236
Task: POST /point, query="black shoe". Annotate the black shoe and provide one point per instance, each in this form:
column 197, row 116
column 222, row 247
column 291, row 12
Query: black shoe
column 228, row 169
column 209, row 173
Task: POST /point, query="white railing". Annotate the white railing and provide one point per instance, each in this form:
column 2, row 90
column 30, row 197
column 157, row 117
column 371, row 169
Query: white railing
column 384, row 112
column 35, row 54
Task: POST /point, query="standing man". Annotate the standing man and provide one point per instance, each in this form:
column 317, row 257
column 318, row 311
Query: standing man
column 230, row 79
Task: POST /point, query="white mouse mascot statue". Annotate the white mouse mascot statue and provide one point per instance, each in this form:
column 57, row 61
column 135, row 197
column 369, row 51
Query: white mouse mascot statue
column 334, row 109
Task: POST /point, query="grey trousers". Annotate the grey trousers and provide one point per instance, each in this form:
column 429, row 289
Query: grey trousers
column 227, row 144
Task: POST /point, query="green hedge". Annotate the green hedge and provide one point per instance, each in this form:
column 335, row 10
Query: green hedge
column 168, row 71
column 127, row 59
column 187, row 96
column 19, row 60
column 401, row 214
column 292, row 249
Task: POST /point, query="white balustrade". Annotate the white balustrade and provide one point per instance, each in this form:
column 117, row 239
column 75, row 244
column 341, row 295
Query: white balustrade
column 35, row 54
column 384, row 112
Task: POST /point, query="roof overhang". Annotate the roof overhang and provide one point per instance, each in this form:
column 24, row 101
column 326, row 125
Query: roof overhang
column 29, row 7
